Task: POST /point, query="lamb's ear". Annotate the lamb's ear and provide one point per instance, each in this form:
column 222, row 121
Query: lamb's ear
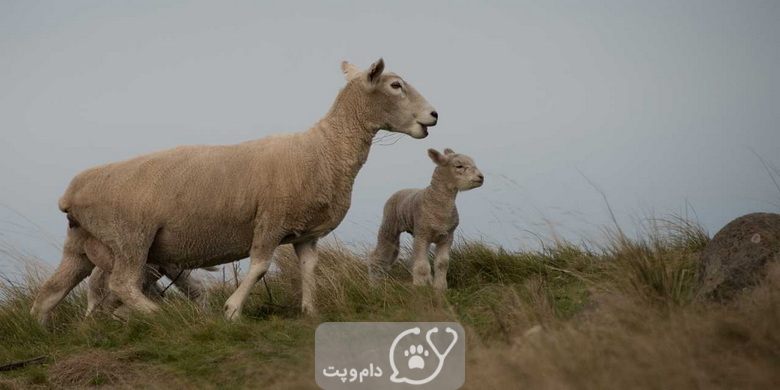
column 375, row 71
column 437, row 157
column 349, row 70
column 449, row 151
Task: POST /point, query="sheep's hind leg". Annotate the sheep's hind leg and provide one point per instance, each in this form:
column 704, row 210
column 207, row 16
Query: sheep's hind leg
column 128, row 277
column 74, row 267
column 260, row 260
column 421, row 268
column 441, row 262
column 307, row 257
column 99, row 298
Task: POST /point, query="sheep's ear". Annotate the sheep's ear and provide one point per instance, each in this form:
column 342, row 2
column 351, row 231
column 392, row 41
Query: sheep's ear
column 449, row 151
column 349, row 70
column 437, row 157
column 375, row 71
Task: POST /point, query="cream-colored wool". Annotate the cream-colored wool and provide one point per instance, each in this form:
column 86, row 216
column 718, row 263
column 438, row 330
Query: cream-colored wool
column 430, row 215
column 198, row 206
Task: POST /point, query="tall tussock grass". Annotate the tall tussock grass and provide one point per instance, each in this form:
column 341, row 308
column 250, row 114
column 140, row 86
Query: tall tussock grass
column 614, row 315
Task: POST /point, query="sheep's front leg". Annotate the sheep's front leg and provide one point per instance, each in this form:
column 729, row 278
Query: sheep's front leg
column 259, row 261
column 421, row 268
column 307, row 257
column 441, row 263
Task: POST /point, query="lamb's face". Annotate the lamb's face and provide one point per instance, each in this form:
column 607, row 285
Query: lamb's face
column 458, row 169
column 396, row 105
column 465, row 172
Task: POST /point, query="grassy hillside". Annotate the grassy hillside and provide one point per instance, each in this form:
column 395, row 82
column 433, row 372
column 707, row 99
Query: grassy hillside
column 584, row 316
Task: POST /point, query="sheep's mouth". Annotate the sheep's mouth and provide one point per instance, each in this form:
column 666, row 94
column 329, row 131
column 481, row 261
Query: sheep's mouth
column 422, row 133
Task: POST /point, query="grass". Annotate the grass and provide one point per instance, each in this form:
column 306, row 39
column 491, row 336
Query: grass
column 619, row 315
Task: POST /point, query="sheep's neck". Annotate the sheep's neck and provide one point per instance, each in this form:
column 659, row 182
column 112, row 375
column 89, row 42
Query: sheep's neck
column 347, row 135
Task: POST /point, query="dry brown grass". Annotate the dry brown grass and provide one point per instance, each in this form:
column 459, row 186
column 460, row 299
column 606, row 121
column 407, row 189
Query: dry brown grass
column 630, row 343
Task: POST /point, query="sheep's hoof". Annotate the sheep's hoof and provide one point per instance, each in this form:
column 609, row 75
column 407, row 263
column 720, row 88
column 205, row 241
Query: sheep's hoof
column 232, row 313
column 42, row 319
column 121, row 313
column 310, row 311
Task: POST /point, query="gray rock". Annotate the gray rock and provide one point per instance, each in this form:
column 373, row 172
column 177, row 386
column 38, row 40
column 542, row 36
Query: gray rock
column 736, row 258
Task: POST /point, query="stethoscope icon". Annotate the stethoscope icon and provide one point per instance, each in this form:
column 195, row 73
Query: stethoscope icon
column 395, row 378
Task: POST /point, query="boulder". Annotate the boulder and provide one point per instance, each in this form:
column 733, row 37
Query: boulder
column 737, row 257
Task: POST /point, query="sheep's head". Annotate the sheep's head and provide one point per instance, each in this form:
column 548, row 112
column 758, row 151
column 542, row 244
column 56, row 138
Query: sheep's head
column 455, row 168
column 392, row 102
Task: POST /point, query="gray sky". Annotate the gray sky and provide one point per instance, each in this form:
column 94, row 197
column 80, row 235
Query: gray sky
column 658, row 103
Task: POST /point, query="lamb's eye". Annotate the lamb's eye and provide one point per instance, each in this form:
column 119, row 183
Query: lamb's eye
column 459, row 166
column 396, row 84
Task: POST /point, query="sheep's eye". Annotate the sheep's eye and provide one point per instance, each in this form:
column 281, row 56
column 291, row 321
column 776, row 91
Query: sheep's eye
column 396, row 84
column 459, row 166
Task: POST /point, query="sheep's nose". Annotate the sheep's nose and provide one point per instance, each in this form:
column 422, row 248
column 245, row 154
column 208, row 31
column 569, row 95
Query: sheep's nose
column 481, row 177
column 435, row 114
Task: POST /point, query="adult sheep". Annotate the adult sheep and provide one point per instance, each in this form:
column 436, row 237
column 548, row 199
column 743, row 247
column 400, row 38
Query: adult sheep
column 200, row 206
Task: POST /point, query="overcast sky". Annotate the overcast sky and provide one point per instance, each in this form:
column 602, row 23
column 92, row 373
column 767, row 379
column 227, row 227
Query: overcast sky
column 661, row 104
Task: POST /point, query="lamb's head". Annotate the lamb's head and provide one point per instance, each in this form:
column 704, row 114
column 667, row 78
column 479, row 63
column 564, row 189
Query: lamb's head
column 390, row 102
column 458, row 170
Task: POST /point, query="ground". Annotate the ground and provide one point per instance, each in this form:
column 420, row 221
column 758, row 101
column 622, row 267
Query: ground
column 619, row 315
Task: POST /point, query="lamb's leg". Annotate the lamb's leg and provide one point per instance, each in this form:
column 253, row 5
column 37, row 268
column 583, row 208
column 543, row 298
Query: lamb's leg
column 74, row 267
column 386, row 253
column 441, row 263
column 307, row 257
column 129, row 274
column 260, row 260
column 421, row 268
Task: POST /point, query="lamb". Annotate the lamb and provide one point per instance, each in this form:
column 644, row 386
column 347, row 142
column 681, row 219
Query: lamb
column 430, row 215
column 205, row 205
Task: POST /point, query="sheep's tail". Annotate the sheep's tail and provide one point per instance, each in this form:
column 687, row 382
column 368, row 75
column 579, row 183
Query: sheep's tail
column 64, row 205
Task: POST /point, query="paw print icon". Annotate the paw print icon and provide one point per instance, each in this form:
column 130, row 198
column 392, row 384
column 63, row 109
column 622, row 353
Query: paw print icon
column 415, row 354
column 416, row 361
